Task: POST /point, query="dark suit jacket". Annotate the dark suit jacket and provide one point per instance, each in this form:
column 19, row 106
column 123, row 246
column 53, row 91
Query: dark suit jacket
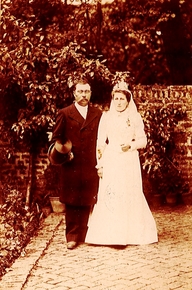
column 79, row 179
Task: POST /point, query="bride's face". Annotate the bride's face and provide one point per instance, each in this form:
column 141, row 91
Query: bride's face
column 120, row 101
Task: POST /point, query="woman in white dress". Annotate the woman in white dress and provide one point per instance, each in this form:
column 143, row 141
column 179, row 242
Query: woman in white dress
column 121, row 215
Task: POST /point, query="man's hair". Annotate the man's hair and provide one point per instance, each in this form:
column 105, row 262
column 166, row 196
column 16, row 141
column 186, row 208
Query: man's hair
column 80, row 80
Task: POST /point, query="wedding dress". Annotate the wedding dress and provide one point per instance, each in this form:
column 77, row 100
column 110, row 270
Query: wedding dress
column 121, row 215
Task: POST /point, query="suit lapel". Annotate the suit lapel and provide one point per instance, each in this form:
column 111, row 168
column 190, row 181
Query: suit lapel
column 91, row 114
column 74, row 114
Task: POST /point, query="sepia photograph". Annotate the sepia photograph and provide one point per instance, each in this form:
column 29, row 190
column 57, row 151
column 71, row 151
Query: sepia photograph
column 95, row 144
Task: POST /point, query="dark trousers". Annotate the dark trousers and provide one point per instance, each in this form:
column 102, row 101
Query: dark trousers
column 76, row 222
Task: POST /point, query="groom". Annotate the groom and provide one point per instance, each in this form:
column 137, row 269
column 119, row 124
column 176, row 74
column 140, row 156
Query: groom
column 74, row 136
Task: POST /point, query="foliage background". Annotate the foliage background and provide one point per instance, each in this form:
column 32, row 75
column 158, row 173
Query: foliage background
column 46, row 43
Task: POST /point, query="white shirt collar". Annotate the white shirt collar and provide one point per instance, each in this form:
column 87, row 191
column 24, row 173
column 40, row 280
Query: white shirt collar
column 82, row 110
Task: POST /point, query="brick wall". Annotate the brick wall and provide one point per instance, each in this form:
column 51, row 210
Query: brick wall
column 41, row 163
column 16, row 170
column 183, row 97
column 18, row 167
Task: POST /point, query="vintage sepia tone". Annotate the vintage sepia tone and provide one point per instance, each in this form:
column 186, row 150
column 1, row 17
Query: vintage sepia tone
column 51, row 161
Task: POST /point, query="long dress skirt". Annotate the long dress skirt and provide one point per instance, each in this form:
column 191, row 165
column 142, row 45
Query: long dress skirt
column 121, row 215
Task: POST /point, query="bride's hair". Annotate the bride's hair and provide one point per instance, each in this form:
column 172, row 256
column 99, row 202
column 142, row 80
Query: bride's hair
column 126, row 93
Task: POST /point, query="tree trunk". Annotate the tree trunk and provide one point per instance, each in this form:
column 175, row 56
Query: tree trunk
column 99, row 26
column 1, row 193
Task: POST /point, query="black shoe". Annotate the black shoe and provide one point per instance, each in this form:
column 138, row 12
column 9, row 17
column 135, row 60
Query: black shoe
column 71, row 245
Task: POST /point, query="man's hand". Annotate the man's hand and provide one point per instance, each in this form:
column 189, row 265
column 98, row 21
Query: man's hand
column 100, row 172
column 49, row 135
column 71, row 155
column 99, row 153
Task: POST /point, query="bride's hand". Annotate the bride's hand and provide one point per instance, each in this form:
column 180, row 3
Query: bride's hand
column 125, row 147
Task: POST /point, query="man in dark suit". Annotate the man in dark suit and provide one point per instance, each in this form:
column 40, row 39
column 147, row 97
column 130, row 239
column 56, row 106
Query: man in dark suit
column 74, row 136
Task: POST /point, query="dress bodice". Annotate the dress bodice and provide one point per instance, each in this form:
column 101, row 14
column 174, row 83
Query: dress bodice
column 120, row 128
column 120, row 131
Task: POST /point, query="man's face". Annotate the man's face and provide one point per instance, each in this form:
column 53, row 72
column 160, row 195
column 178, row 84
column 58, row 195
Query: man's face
column 82, row 94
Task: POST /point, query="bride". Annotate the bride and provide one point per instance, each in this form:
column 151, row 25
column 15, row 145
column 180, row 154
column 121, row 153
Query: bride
column 121, row 215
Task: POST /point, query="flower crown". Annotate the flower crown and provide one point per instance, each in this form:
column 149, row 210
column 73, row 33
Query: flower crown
column 121, row 86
